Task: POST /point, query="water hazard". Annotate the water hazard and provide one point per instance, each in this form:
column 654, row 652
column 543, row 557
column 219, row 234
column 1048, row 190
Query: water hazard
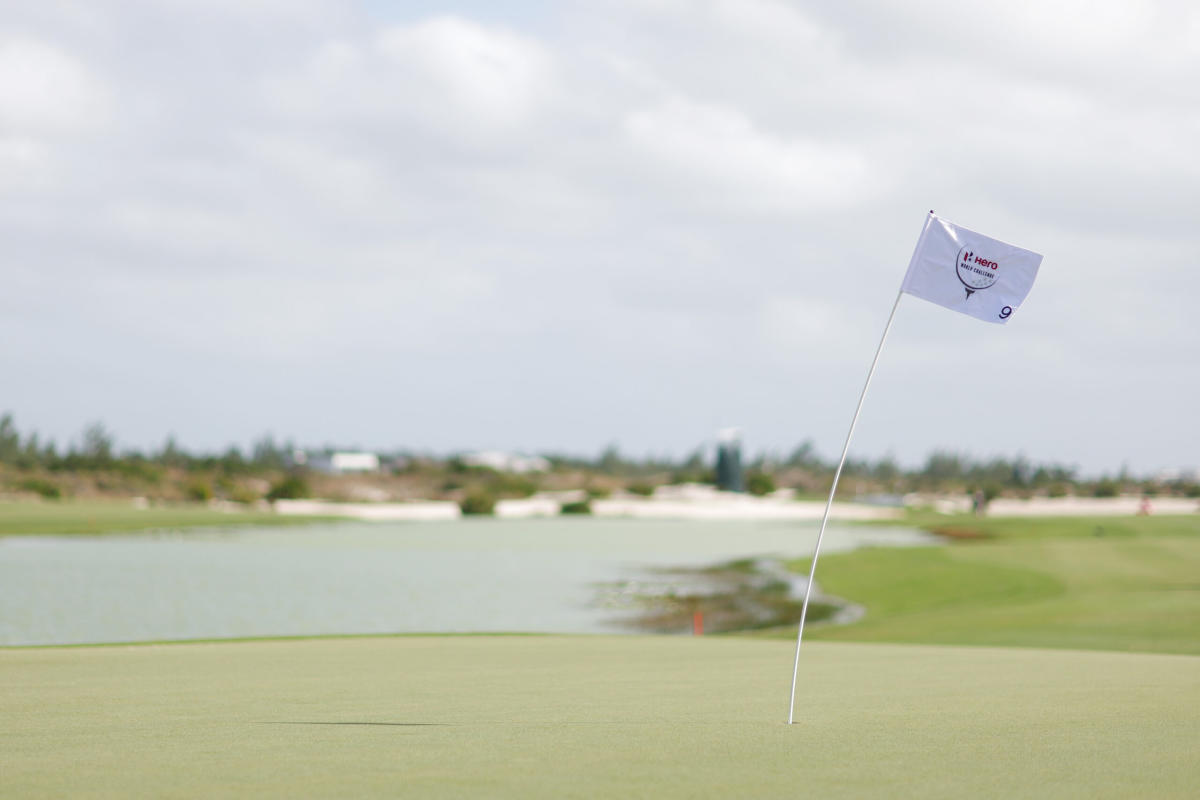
column 467, row 576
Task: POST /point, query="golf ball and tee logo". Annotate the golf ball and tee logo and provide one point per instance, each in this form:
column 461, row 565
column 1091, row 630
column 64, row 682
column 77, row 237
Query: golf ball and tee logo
column 977, row 272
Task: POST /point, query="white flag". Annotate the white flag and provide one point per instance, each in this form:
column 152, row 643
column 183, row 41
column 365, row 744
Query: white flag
column 969, row 272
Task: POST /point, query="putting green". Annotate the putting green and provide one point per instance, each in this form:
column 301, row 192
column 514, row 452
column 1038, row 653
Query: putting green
column 594, row 717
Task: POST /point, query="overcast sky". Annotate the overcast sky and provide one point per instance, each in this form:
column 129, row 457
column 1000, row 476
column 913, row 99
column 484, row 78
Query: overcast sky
column 556, row 226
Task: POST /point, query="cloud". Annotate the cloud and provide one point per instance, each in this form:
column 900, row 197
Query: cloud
column 44, row 90
column 642, row 207
column 495, row 76
column 768, row 20
column 813, row 329
column 445, row 76
column 719, row 151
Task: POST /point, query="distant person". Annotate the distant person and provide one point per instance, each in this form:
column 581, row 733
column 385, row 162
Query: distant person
column 978, row 502
column 1144, row 506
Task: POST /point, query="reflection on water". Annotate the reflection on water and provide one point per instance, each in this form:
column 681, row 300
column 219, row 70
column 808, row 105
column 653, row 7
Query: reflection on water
column 472, row 575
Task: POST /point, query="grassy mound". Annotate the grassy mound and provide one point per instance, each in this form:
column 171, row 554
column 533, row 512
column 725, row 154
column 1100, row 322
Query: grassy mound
column 1112, row 584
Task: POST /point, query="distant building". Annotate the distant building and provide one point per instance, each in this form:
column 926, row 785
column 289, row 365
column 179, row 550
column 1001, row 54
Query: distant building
column 506, row 462
column 729, row 461
column 341, row 462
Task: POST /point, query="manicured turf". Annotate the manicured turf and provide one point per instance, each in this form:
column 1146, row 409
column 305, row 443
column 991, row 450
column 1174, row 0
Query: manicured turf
column 118, row 516
column 593, row 717
column 1133, row 586
column 1009, row 528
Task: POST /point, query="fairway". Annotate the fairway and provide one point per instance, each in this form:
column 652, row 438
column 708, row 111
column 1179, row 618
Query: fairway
column 113, row 516
column 593, row 716
column 1125, row 584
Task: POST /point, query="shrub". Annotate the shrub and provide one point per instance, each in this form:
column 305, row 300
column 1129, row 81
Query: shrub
column 478, row 503
column 293, row 487
column 138, row 468
column 694, row 476
column 643, row 489
column 243, row 494
column 199, row 491
column 759, row 484
column 1107, row 488
column 43, row 487
column 578, row 507
column 511, row 485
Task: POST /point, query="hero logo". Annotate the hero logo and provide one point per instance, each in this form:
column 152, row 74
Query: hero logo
column 975, row 271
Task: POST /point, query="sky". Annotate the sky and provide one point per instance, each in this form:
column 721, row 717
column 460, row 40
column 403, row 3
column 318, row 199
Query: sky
column 555, row 227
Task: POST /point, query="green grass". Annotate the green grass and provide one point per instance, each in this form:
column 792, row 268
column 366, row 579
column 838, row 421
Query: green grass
column 119, row 516
column 1092, row 583
column 561, row 717
column 663, row 717
column 1009, row 528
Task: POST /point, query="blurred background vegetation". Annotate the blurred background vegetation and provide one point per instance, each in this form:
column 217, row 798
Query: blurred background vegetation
column 95, row 467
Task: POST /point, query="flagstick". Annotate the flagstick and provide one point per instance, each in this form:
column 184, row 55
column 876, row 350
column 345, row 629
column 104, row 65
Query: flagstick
column 829, row 504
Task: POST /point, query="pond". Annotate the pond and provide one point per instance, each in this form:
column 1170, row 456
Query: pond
column 483, row 575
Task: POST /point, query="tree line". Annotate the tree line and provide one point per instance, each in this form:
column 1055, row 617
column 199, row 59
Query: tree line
column 97, row 450
column 803, row 468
